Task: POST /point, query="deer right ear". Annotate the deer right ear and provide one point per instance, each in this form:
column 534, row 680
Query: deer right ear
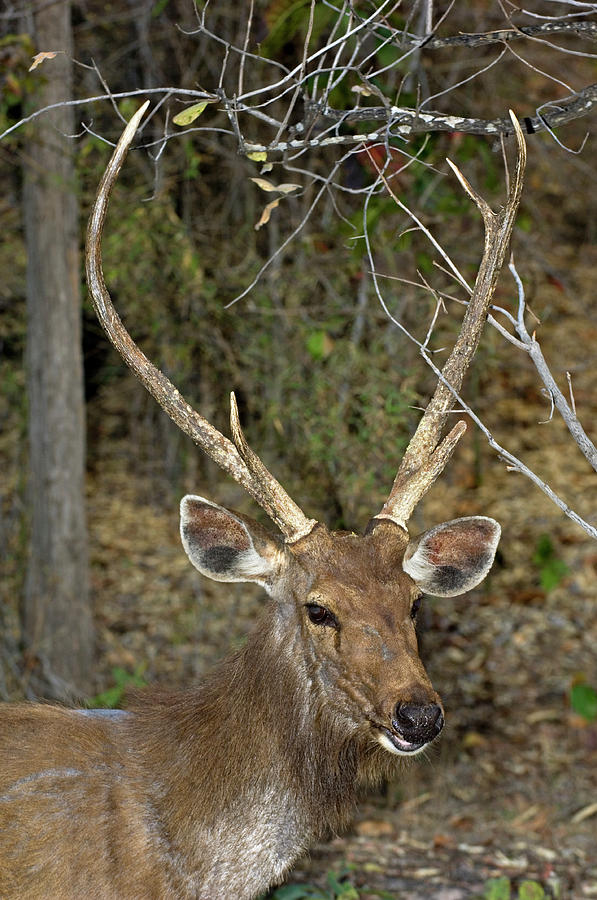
column 453, row 557
column 225, row 546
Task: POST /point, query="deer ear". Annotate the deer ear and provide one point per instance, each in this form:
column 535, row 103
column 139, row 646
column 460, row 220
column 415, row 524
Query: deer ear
column 224, row 545
column 453, row 557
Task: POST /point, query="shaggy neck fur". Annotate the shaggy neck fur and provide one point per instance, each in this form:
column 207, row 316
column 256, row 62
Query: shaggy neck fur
column 250, row 767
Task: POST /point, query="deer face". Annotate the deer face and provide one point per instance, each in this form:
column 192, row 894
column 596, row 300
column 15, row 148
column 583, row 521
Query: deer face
column 347, row 605
column 358, row 621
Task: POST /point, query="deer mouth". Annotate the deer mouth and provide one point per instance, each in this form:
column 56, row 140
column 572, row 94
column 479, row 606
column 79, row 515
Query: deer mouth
column 395, row 743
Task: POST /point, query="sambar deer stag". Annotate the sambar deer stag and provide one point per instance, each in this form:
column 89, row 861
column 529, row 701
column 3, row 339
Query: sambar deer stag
column 214, row 792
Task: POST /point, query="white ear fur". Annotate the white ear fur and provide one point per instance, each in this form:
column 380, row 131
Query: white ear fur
column 453, row 557
column 222, row 544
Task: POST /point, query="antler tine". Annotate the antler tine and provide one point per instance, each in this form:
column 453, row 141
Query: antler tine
column 253, row 476
column 279, row 506
column 426, row 455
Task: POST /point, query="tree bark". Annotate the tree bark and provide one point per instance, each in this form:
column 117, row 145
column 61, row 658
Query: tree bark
column 56, row 613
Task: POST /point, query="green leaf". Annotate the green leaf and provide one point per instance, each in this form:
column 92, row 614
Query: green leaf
column 112, row 696
column 497, row 889
column 298, row 892
column 290, row 892
column 319, row 345
column 158, row 8
column 583, row 700
column 188, row 115
column 342, row 890
column 551, row 568
column 530, row 890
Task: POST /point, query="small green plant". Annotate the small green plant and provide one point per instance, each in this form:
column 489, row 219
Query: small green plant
column 497, row 889
column 551, row 568
column 338, row 889
column 501, row 889
column 583, row 700
column 122, row 680
column 530, row 890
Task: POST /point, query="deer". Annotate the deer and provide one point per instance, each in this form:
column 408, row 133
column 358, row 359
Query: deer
column 215, row 791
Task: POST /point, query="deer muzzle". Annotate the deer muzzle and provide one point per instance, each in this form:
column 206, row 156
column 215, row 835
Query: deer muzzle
column 413, row 726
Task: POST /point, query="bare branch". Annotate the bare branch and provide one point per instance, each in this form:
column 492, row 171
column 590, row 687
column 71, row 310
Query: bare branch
column 533, row 348
column 404, row 121
column 505, row 35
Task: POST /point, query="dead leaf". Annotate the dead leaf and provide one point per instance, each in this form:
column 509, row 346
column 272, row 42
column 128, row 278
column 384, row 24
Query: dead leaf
column 584, row 813
column 40, row 57
column 375, row 828
column 442, row 840
column 473, row 739
column 266, row 185
column 265, row 215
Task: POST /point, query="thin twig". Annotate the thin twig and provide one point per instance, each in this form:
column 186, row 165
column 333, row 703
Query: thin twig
column 568, row 414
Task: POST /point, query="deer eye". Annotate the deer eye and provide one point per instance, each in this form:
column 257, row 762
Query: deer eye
column 319, row 615
column 415, row 608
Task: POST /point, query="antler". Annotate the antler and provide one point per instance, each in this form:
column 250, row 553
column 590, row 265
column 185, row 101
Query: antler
column 239, row 461
column 427, row 455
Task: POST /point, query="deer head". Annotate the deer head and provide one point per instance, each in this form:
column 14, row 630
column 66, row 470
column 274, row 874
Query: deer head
column 351, row 602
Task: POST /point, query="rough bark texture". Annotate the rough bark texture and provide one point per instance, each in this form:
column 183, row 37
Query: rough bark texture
column 57, row 619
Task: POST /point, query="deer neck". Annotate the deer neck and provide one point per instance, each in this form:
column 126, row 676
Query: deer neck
column 250, row 763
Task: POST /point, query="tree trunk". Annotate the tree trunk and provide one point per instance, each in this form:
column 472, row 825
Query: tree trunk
column 57, row 616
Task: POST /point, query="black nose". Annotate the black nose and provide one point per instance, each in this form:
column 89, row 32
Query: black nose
column 416, row 723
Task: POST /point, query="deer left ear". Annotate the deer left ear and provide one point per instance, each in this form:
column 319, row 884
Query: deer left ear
column 224, row 545
column 453, row 557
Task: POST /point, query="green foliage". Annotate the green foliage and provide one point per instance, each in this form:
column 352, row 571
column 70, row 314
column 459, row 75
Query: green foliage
column 501, row 889
column 525, row 222
column 468, row 148
column 150, row 261
column 530, row 890
column 551, row 568
column 192, row 158
column 339, row 888
column 288, row 19
column 387, row 54
column 583, row 700
column 16, row 82
column 497, row 889
column 159, row 8
column 112, row 697
column 348, row 399
column 319, row 345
